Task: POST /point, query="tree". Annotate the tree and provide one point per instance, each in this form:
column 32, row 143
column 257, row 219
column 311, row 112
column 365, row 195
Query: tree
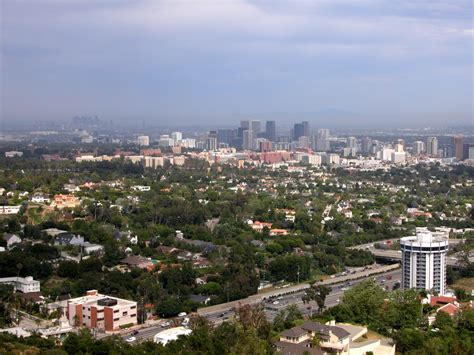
column 286, row 318
column 253, row 317
column 443, row 321
column 317, row 293
column 169, row 307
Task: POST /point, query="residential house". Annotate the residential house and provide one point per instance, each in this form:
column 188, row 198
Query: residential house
column 40, row 198
column 61, row 201
column 139, row 262
column 11, row 240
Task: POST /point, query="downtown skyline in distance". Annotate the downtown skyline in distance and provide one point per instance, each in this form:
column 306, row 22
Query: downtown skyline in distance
column 214, row 63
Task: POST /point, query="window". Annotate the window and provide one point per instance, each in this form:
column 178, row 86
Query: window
column 116, row 319
column 124, row 313
column 133, row 307
column 100, row 319
column 133, row 315
column 116, row 311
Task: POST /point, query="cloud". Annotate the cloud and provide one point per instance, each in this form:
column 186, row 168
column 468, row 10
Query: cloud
column 192, row 51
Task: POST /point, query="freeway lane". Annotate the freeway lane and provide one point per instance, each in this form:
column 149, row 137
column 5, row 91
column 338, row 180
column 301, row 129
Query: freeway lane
column 271, row 310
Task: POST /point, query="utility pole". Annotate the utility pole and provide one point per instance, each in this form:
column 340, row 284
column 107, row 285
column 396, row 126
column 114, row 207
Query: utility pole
column 298, row 273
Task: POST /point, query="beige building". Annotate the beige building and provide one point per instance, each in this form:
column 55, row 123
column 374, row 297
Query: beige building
column 95, row 310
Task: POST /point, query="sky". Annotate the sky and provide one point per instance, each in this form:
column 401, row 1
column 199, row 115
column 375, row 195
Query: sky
column 174, row 62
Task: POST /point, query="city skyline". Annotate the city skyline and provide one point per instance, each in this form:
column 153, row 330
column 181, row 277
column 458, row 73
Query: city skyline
column 345, row 62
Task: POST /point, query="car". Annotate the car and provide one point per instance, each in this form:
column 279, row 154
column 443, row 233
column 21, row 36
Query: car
column 165, row 324
column 135, row 332
column 185, row 322
column 182, row 314
column 221, row 315
column 276, row 302
column 131, row 339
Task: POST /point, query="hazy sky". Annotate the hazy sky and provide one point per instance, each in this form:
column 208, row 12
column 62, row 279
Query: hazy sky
column 202, row 61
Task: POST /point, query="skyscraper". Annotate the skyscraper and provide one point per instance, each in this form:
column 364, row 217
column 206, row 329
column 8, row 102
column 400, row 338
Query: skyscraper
column 322, row 140
column 255, row 127
column 245, row 124
column 177, row 137
column 271, row 130
column 301, row 130
column 211, row 140
column 458, row 142
column 366, row 145
column 418, row 147
column 424, row 262
column 226, row 136
column 351, row 142
column 248, row 140
column 432, row 146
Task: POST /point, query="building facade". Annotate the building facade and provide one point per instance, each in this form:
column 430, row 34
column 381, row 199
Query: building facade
column 432, row 146
column 424, row 262
column 99, row 311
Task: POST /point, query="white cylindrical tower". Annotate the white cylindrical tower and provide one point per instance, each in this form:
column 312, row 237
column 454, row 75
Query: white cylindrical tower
column 424, row 262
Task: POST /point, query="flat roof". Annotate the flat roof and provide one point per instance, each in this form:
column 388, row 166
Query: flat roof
column 91, row 300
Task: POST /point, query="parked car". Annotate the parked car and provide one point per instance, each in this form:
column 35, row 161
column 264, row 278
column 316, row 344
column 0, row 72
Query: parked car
column 182, row 314
column 131, row 339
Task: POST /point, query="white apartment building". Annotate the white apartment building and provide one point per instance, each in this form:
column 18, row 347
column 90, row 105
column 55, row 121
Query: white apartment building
column 424, row 262
column 22, row 284
column 143, row 141
column 95, row 310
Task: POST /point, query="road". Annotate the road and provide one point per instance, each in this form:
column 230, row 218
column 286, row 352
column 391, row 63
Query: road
column 271, row 310
column 396, row 255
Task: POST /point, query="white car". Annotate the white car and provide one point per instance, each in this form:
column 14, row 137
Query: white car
column 182, row 314
column 131, row 339
column 185, row 322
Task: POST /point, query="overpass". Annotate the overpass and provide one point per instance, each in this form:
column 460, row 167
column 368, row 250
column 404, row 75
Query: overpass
column 396, row 255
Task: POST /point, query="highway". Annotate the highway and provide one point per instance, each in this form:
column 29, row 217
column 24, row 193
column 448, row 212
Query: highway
column 396, row 255
column 386, row 279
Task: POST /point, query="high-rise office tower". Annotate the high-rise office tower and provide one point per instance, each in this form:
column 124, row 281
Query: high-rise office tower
column 424, row 258
column 248, row 140
column 226, row 136
column 366, row 145
column 458, row 142
column 211, row 140
column 255, row 127
column 177, row 137
column 271, row 130
column 351, row 142
column 467, row 151
column 432, row 146
column 301, row 130
column 322, row 140
column 211, row 143
column 418, row 147
column 306, row 131
column 245, row 125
